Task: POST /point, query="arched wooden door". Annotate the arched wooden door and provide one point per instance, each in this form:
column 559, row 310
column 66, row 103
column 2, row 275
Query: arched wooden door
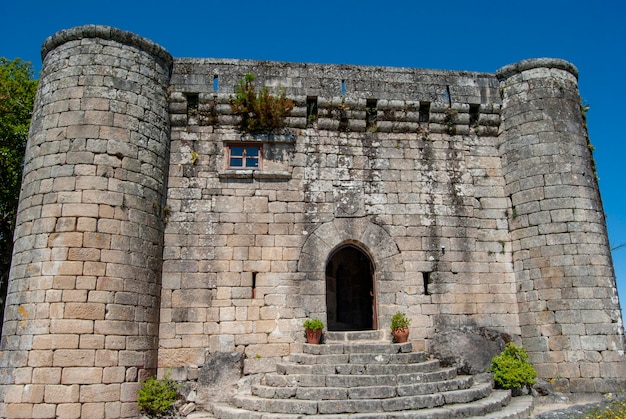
column 350, row 292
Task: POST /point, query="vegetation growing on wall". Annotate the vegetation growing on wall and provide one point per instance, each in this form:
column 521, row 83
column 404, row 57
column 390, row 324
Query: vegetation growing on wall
column 260, row 112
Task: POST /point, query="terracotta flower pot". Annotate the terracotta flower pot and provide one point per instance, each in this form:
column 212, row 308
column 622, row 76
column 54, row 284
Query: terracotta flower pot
column 400, row 335
column 313, row 336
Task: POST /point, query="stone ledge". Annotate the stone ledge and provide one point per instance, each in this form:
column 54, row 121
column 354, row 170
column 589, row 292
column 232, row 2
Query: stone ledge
column 254, row 174
column 511, row 69
column 109, row 33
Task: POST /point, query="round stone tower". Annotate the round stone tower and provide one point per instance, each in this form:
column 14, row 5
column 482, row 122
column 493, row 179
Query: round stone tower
column 569, row 313
column 81, row 322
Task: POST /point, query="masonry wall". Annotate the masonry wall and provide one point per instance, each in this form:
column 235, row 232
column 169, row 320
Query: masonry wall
column 421, row 191
column 473, row 196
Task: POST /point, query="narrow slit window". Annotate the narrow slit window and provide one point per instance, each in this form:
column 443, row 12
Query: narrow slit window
column 254, row 284
column 244, row 156
column 371, row 114
column 474, row 113
column 192, row 104
column 311, row 110
column 426, row 280
column 424, row 112
column 343, row 87
column 216, row 83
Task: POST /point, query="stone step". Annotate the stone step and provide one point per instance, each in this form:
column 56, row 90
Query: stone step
column 518, row 408
column 496, row 401
column 466, row 395
column 458, row 383
column 423, row 406
column 365, row 335
column 357, row 380
column 371, row 392
column 399, row 358
column 357, row 369
column 224, row 411
column 359, row 358
column 353, row 348
column 441, row 374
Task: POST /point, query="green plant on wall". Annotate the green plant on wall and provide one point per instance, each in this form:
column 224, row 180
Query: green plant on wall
column 260, row 112
column 511, row 368
column 450, row 120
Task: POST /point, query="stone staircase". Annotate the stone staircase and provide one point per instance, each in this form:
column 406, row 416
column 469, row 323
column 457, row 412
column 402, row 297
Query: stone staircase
column 359, row 375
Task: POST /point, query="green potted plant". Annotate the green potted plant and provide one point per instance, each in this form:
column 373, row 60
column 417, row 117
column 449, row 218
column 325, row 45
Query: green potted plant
column 400, row 327
column 313, row 328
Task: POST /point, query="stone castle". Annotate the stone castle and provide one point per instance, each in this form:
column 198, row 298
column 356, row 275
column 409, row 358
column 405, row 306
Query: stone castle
column 152, row 233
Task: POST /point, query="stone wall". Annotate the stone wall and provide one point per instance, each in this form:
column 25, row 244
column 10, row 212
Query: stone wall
column 402, row 190
column 470, row 197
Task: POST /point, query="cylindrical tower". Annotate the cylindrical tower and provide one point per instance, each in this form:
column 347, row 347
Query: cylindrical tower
column 81, row 322
column 569, row 313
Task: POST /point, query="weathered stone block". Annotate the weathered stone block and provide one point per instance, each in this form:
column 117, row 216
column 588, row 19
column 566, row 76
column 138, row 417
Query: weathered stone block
column 99, row 393
column 85, row 311
column 19, row 410
column 81, row 375
column 73, row 358
column 69, row 410
column 42, row 411
column 61, row 394
column 92, row 410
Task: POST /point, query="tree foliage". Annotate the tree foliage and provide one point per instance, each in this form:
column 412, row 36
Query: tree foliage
column 17, row 97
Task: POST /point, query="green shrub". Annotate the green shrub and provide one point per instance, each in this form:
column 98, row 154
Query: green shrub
column 400, row 321
column 260, row 112
column 156, row 396
column 511, row 369
column 313, row 324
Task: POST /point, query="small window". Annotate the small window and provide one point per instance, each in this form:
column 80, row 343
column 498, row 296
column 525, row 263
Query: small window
column 424, row 111
column 192, row 104
column 371, row 114
column 311, row 110
column 474, row 114
column 243, row 156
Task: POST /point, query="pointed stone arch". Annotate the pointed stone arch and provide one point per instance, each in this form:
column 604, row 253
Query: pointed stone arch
column 374, row 240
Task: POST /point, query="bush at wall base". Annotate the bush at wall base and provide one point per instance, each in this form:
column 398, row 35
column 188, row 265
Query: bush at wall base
column 511, row 370
column 156, row 396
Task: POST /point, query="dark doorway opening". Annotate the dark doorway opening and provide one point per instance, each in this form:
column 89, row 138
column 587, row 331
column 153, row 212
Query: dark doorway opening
column 350, row 292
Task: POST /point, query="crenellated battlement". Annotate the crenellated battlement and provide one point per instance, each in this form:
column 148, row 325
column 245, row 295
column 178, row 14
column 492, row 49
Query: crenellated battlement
column 347, row 115
column 341, row 97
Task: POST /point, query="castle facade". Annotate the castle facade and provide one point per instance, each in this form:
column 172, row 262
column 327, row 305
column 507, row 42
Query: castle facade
column 152, row 232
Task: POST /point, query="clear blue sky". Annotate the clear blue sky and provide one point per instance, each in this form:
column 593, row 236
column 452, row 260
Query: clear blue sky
column 457, row 35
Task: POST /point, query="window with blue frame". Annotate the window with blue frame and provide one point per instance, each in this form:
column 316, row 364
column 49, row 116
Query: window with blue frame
column 244, row 156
